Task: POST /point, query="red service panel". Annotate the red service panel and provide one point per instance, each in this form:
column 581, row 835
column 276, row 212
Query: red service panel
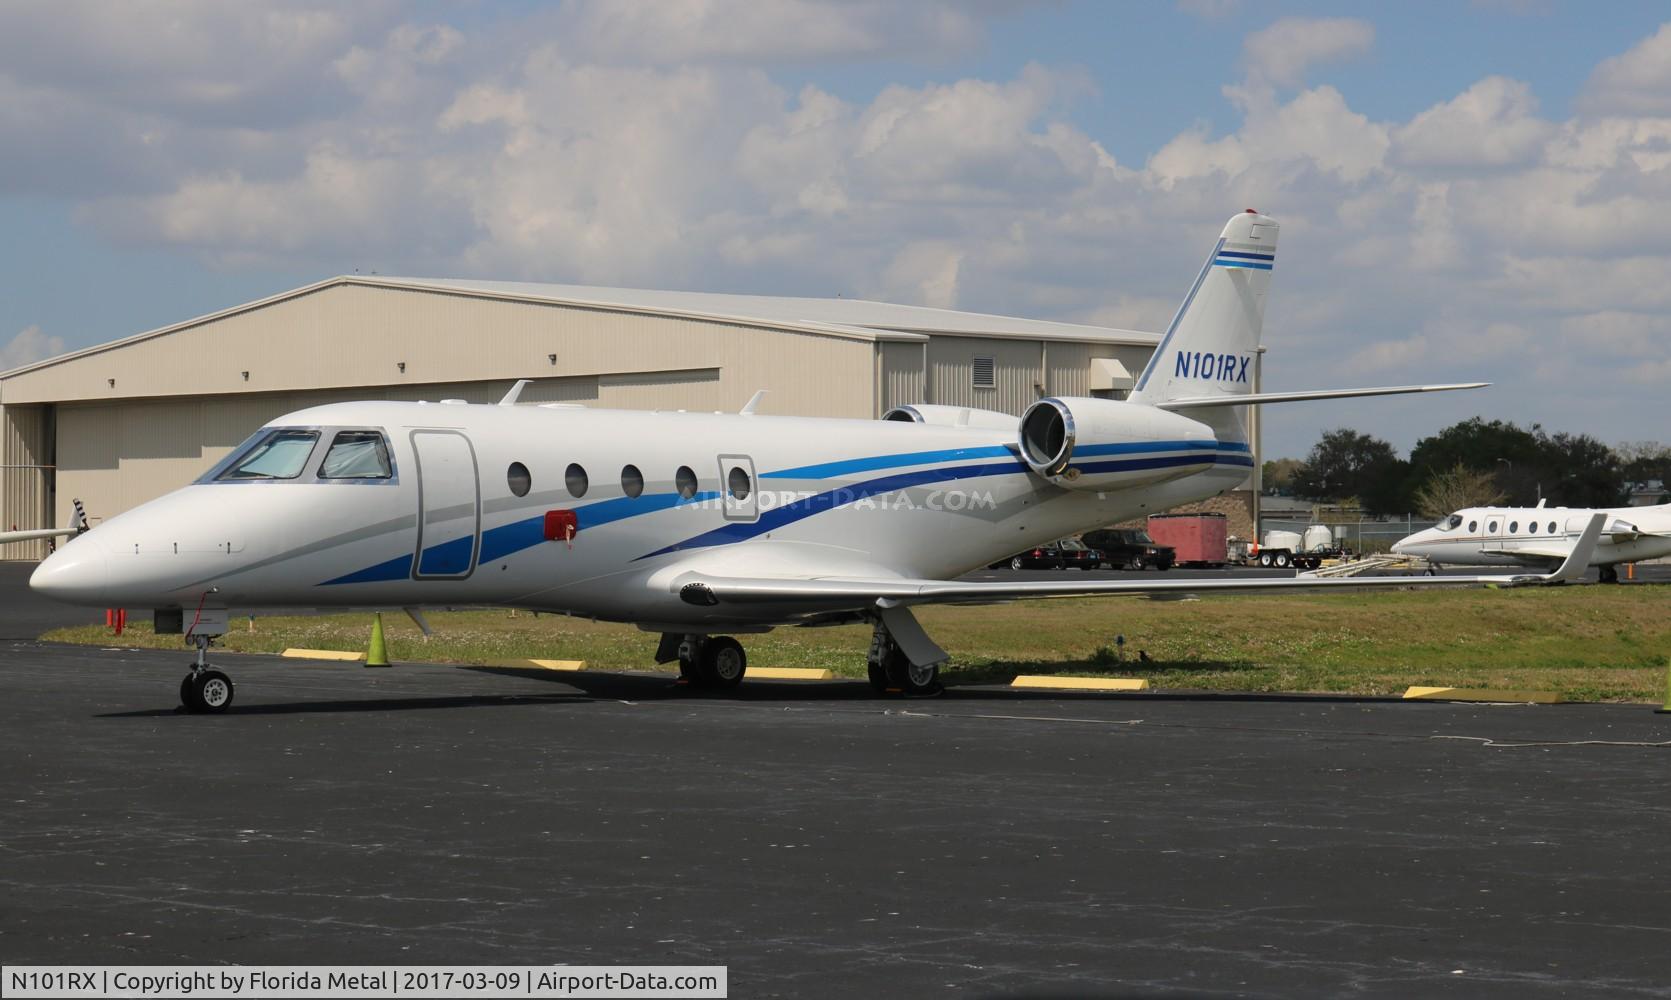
column 1198, row 539
column 561, row 525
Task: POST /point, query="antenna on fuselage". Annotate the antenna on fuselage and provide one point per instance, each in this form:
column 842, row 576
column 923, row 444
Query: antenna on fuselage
column 516, row 391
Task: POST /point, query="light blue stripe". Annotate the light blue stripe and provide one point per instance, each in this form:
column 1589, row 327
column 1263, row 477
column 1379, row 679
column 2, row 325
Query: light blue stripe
column 1248, row 264
column 826, row 469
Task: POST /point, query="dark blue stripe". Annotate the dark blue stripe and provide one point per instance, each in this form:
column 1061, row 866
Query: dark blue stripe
column 1142, row 447
column 1249, row 256
column 1139, row 464
column 450, row 558
column 398, row 568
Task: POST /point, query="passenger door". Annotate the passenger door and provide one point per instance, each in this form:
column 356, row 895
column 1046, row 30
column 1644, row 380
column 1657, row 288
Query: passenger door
column 449, row 506
column 1493, row 533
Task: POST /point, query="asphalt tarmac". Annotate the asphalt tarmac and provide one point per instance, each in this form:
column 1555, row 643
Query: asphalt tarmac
column 822, row 842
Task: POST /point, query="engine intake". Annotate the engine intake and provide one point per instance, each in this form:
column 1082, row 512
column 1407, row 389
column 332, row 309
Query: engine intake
column 1095, row 444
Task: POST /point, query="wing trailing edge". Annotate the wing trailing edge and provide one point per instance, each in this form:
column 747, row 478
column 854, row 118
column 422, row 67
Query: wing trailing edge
column 1199, row 402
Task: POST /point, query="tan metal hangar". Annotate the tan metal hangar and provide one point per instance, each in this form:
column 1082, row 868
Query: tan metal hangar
column 124, row 422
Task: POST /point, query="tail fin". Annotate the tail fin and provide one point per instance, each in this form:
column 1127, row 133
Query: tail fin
column 1209, row 349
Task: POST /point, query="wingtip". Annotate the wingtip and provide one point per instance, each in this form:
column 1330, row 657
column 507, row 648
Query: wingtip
column 1577, row 562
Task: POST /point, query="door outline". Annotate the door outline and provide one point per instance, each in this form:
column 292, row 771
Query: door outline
column 747, row 509
column 1495, row 525
column 476, row 521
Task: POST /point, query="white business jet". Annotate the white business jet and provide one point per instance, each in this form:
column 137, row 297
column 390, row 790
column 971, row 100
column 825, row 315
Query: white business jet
column 698, row 526
column 1542, row 537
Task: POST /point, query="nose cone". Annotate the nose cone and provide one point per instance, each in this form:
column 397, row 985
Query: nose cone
column 1398, row 546
column 78, row 573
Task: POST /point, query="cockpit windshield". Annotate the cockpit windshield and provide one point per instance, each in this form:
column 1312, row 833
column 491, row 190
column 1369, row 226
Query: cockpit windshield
column 1449, row 523
column 280, row 454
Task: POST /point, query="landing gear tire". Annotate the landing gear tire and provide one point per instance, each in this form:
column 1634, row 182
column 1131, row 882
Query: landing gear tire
column 912, row 679
column 207, row 691
column 1609, row 574
column 1015, row 563
column 722, row 664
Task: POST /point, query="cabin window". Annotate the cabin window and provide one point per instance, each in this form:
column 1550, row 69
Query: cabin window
column 1514, row 527
column 1491, row 527
column 1551, row 527
column 737, row 481
column 632, row 481
column 518, row 479
column 1473, row 526
column 279, row 455
column 985, row 377
column 685, row 482
column 356, row 455
column 1532, row 527
column 575, row 479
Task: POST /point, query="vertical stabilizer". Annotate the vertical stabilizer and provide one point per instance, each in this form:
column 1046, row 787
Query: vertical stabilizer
column 1208, row 350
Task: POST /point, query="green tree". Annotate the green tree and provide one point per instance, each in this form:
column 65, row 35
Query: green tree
column 1454, row 489
column 1527, row 465
column 1277, row 475
column 1345, row 464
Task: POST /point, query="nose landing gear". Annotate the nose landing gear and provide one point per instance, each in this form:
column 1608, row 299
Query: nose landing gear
column 205, row 690
column 890, row 669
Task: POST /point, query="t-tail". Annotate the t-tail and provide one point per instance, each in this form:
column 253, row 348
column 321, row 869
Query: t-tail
column 1210, row 348
column 1206, row 361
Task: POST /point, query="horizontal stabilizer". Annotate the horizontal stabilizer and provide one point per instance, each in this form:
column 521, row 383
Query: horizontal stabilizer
column 1197, row 402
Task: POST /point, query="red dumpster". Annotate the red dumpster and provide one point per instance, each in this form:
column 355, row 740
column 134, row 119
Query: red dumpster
column 1197, row 539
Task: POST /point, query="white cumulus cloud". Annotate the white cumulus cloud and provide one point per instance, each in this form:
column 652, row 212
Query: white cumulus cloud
column 27, row 347
column 1282, row 53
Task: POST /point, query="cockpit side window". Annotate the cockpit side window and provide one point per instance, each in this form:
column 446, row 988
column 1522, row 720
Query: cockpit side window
column 1450, row 523
column 279, row 454
column 356, row 455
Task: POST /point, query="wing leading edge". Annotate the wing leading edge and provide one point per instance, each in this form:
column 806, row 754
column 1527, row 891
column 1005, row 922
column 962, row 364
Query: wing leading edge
column 702, row 589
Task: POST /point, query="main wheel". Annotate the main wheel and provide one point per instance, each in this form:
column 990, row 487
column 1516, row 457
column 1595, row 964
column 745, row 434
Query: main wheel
column 912, row 679
column 723, row 662
column 185, row 691
column 1608, row 574
column 208, row 691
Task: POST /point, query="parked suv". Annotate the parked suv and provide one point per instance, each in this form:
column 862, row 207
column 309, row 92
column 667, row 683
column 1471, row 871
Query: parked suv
column 1068, row 553
column 1131, row 548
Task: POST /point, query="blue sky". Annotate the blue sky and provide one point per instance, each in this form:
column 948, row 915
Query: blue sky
column 1467, row 191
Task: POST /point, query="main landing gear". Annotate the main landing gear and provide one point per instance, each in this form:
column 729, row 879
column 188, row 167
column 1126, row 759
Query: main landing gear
column 205, row 690
column 1609, row 574
column 715, row 662
column 892, row 671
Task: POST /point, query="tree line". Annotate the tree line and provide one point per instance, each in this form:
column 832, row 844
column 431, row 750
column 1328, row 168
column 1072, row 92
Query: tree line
column 1473, row 463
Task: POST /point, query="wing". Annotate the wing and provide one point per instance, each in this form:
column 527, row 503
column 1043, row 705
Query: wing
column 702, row 589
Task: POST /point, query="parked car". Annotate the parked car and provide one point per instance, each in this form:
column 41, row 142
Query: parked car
column 1130, row 548
column 1067, row 553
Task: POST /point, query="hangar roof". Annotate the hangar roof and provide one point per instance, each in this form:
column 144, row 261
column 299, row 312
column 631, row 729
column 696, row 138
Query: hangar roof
column 853, row 318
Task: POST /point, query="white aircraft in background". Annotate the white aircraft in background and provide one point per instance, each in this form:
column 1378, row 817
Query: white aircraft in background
column 1542, row 536
column 31, row 534
column 695, row 525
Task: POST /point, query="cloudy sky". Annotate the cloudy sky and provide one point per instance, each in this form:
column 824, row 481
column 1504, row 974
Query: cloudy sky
column 1466, row 192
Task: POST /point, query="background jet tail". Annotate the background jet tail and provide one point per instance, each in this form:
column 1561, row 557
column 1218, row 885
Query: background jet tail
column 1209, row 348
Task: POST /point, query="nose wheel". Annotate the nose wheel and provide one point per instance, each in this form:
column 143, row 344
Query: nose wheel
column 890, row 670
column 205, row 690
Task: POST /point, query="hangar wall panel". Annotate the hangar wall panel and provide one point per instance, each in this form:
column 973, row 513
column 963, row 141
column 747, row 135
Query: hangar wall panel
column 358, row 336
column 902, row 375
column 23, row 491
column 1015, row 366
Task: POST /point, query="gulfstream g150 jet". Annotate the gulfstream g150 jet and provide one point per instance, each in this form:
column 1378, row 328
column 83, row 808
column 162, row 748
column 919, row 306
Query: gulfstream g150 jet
column 697, row 526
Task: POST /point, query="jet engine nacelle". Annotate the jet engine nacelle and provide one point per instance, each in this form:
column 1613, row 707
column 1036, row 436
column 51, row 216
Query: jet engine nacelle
column 950, row 416
column 1099, row 444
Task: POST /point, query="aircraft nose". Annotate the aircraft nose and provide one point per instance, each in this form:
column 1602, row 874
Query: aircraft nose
column 1398, row 546
column 78, row 573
